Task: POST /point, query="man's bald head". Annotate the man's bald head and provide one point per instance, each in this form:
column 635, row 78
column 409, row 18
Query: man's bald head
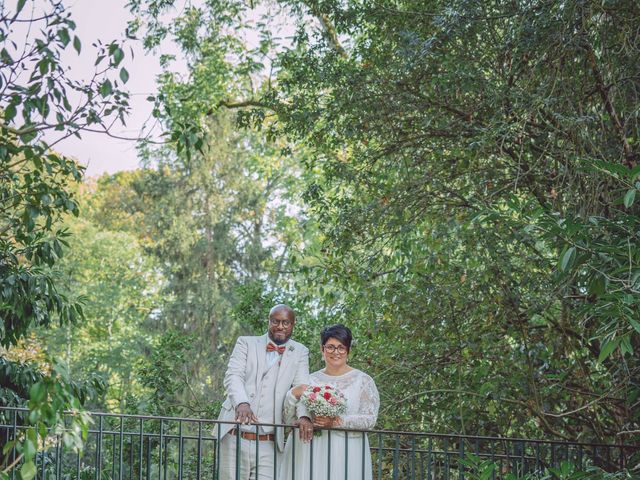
column 281, row 307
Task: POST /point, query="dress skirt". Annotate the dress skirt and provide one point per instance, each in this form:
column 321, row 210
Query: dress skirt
column 335, row 455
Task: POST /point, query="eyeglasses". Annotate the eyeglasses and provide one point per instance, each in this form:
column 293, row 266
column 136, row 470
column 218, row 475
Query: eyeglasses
column 283, row 323
column 341, row 349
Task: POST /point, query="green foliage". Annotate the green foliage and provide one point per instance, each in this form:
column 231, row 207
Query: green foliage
column 36, row 191
column 119, row 285
column 50, row 397
column 34, row 196
column 35, row 182
column 219, row 233
column 479, row 469
column 165, row 374
column 471, row 184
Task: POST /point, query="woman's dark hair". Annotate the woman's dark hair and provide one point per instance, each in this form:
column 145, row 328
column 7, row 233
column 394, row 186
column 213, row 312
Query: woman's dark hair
column 339, row 332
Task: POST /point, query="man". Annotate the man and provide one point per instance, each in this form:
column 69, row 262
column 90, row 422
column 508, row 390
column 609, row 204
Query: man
column 261, row 371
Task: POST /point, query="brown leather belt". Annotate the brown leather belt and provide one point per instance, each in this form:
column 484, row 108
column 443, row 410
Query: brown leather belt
column 269, row 437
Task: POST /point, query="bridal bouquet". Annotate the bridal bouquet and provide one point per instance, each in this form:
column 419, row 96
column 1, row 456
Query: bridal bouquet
column 324, row 401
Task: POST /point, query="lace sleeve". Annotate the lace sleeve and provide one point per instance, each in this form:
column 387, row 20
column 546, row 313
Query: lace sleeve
column 368, row 411
column 289, row 409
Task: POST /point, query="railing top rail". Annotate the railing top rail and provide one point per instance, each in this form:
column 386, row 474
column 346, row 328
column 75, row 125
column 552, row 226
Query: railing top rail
column 383, row 432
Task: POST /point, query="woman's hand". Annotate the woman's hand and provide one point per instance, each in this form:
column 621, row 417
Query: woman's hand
column 298, row 391
column 326, row 422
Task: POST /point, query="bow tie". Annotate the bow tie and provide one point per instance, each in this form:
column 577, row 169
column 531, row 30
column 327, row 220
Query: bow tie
column 273, row 348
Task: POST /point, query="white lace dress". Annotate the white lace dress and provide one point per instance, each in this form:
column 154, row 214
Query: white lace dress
column 335, row 455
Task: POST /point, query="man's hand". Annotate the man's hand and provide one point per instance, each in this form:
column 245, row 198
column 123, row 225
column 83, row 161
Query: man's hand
column 298, row 391
column 245, row 415
column 306, row 429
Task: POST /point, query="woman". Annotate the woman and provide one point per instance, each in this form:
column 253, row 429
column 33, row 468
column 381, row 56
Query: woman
column 326, row 457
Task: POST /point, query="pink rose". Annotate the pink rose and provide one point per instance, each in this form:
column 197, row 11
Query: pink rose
column 312, row 397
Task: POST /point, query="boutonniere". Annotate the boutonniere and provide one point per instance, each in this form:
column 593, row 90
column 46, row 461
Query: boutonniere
column 291, row 348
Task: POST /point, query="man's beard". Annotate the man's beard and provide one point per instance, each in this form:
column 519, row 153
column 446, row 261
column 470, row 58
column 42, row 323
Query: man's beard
column 279, row 342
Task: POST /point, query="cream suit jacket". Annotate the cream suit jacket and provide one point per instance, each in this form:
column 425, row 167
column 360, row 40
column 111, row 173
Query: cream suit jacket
column 246, row 367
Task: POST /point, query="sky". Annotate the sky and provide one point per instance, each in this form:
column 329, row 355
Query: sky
column 106, row 20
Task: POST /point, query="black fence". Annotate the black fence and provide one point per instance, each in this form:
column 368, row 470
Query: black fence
column 130, row 447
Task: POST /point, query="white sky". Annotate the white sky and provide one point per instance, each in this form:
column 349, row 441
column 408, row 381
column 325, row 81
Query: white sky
column 106, row 20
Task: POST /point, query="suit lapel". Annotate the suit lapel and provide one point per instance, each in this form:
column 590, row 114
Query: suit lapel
column 261, row 357
column 285, row 361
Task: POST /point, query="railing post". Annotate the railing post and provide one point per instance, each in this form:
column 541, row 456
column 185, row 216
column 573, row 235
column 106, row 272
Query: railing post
column 15, row 438
column 58, row 457
column 346, row 455
column 140, row 454
column 160, row 450
column 379, row 456
column 311, row 448
column 199, row 464
column 180, row 450
column 446, row 458
column 364, row 445
column 149, row 457
column 413, row 457
column 328, row 454
column 460, row 461
column 396, row 453
column 430, row 452
column 238, row 437
column 99, row 449
column 121, row 443
column 131, row 456
column 217, row 457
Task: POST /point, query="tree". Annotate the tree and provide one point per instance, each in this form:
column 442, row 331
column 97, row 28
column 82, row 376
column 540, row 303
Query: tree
column 473, row 172
column 36, row 97
column 218, row 228
column 119, row 286
column 36, row 92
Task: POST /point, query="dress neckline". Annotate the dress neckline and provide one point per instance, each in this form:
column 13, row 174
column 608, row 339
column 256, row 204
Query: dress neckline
column 337, row 376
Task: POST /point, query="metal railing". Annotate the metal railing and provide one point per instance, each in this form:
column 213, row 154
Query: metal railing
column 130, row 447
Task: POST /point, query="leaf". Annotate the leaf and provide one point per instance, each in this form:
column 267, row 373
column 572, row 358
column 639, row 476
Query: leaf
column 10, row 112
column 106, row 88
column 20, row 6
column 629, row 197
column 635, row 324
column 28, row 471
column 63, row 35
column 124, row 75
column 607, row 349
column 37, row 392
column 76, row 44
column 625, row 345
column 8, row 446
column 597, row 285
column 118, row 55
column 5, row 57
column 30, row 444
column 567, row 259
